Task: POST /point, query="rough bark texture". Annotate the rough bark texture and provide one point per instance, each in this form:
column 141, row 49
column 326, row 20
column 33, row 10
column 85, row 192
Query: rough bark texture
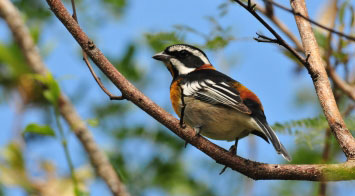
column 98, row 159
column 255, row 170
column 322, row 86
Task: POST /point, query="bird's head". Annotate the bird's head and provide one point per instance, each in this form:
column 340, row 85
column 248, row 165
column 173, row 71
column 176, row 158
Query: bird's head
column 182, row 59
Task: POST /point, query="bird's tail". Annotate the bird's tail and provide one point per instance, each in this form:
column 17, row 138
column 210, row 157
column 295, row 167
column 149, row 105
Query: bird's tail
column 270, row 134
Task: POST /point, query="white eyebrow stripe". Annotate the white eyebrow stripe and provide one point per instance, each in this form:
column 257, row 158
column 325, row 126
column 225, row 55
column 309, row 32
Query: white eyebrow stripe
column 193, row 51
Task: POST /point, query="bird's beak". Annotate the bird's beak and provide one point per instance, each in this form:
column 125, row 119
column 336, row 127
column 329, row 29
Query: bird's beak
column 161, row 57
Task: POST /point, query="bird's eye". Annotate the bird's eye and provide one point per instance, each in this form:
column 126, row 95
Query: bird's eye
column 183, row 53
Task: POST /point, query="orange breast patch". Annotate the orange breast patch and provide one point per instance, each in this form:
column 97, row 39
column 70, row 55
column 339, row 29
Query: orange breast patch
column 175, row 96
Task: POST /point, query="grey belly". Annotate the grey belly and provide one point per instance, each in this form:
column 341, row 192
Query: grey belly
column 218, row 122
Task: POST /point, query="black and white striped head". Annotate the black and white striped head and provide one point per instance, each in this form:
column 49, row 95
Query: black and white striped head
column 182, row 59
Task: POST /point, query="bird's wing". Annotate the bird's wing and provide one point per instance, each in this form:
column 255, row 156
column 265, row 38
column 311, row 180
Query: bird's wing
column 216, row 93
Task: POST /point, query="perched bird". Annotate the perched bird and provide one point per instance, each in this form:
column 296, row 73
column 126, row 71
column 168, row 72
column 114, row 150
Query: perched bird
column 211, row 102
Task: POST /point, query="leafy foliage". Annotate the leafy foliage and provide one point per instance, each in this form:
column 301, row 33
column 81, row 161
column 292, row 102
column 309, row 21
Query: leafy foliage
column 117, row 7
column 39, row 129
column 159, row 41
column 318, row 123
column 308, row 131
column 164, row 169
column 33, row 9
column 51, row 88
column 126, row 63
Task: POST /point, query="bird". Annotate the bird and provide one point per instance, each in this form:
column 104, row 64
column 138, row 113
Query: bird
column 212, row 103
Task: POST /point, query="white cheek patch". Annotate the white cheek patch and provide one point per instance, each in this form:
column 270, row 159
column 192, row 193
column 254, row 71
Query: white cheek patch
column 182, row 69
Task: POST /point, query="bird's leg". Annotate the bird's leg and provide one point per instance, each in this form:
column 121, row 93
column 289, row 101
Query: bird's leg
column 182, row 124
column 197, row 130
column 232, row 149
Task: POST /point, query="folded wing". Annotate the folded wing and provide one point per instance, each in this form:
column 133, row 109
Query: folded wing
column 217, row 93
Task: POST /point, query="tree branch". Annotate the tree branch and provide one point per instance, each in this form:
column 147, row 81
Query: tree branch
column 255, row 170
column 322, row 85
column 98, row 159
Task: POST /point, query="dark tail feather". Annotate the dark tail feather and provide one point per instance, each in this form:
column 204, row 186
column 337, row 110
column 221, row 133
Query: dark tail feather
column 270, row 134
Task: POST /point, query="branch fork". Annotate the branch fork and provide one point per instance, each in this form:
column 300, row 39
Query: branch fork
column 265, row 39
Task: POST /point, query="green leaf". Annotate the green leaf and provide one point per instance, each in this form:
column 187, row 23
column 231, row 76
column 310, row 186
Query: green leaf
column 342, row 12
column 117, row 7
column 126, row 64
column 321, row 39
column 94, row 122
column 52, row 91
column 218, row 42
column 39, row 129
column 81, row 193
column 341, row 57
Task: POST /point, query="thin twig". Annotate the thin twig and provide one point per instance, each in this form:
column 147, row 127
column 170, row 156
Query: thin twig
column 252, row 169
column 64, row 143
column 310, row 20
column 112, row 97
column 348, row 110
column 280, row 25
column 278, row 40
column 343, row 86
column 74, row 11
column 325, row 158
column 269, row 9
column 85, row 58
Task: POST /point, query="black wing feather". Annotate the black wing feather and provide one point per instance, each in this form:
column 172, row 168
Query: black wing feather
column 213, row 87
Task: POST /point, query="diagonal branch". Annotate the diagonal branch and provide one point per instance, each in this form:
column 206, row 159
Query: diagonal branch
column 321, row 83
column 255, row 170
column 98, row 159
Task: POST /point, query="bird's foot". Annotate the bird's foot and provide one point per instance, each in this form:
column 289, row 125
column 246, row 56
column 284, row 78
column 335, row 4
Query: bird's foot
column 197, row 132
column 233, row 150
